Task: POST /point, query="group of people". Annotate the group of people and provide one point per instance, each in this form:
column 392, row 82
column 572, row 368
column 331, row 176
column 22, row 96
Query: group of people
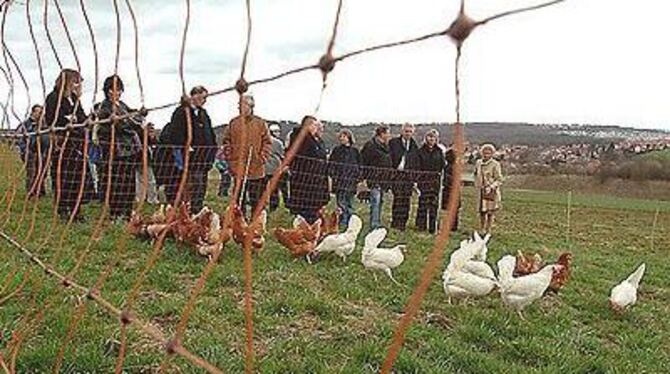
column 104, row 161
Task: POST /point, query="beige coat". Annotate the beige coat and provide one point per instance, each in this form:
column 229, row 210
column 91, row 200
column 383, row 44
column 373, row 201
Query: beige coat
column 488, row 174
column 258, row 141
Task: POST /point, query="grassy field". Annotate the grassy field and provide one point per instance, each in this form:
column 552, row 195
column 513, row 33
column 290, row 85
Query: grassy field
column 334, row 317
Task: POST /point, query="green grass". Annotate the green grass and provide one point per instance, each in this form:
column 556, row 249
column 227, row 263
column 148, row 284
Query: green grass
column 663, row 155
column 334, row 317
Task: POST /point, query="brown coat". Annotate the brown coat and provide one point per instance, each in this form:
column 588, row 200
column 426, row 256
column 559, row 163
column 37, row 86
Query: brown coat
column 258, row 139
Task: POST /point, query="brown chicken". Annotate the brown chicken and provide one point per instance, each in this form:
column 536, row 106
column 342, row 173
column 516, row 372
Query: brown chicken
column 300, row 240
column 240, row 229
column 330, row 222
column 561, row 274
column 147, row 227
column 527, row 264
column 188, row 229
column 136, row 226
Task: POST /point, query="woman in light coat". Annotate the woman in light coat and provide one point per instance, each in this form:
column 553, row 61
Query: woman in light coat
column 488, row 179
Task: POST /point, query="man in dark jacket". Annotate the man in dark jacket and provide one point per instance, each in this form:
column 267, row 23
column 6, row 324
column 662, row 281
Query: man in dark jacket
column 309, row 174
column 202, row 152
column 343, row 169
column 377, row 170
column 430, row 161
column 403, row 157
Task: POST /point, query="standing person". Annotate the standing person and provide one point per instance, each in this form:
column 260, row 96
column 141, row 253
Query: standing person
column 254, row 152
column 309, row 174
column 378, row 171
column 273, row 163
column 62, row 107
column 450, row 158
column 403, row 157
column 430, row 160
column 343, row 168
column 126, row 152
column 488, row 179
column 34, row 160
column 202, row 152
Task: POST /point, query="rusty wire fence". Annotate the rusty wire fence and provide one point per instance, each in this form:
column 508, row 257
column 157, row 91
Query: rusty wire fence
column 65, row 155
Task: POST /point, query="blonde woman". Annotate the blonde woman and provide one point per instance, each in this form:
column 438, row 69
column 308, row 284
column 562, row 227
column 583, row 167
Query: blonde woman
column 488, row 179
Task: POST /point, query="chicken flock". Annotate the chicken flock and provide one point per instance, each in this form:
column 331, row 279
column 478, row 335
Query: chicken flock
column 521, row 279
column 206, row 232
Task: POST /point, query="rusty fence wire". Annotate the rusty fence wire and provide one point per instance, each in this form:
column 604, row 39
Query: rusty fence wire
column 64, row 154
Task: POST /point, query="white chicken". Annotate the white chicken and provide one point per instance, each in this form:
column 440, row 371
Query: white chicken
column 480, row 246
column 342, row 244
column 465, row 277
column 384, row 259
column 624, row 294
column 475, row 249
column 521, row 291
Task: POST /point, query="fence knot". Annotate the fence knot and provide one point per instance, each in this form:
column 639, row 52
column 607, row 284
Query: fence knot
column 326, row 63
column 172, row 345
column 126, row 317
column 241, row 86
column 66, row 282
column 91, row 293
column 460, row 29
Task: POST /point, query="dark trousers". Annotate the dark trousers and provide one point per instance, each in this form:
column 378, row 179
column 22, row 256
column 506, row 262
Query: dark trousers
column 402, row 195
column 426, row 215
column 195, row 188
column 198, row 189
column 122, row 193
column 253, row 191
column 66, row 183
column 445, row 202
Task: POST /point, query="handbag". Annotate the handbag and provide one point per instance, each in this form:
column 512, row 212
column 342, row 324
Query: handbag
column 488, row 193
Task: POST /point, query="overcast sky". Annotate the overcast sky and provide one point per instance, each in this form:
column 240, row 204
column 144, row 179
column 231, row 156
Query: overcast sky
column 583, row 61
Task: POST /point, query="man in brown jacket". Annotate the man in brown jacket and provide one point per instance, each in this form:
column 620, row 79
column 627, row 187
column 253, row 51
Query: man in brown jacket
column 247, row 141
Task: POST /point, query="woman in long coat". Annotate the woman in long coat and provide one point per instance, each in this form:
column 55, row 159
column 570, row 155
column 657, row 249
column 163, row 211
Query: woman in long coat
column 126, row 152
column 488, row 179
column 343, row 168
column 62, row 108
column 309, row 172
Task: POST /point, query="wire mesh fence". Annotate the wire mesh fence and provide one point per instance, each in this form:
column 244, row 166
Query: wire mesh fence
column 105, row 156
